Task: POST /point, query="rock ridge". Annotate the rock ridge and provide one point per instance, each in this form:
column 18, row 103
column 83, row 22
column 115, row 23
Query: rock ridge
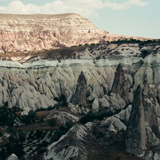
column 38, row 32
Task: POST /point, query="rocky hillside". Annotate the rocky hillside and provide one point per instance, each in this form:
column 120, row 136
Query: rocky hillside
column 110, row 93
column 37, row 32
column 41, row 32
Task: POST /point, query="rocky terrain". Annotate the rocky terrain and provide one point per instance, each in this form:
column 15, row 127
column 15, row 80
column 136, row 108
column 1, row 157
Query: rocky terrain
column 38, row 32
column 41, row 32
column 104, row 97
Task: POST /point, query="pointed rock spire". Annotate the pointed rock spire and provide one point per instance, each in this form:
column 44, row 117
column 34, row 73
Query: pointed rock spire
column 120, row 85
column 79, row 97
column 136, row 132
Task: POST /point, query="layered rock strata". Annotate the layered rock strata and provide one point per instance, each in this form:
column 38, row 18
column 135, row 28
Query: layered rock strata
column 38, row 32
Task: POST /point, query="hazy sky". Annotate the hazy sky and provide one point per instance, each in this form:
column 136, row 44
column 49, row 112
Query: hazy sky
column 125, row 17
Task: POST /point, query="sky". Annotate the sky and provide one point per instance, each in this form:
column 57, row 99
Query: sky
column 124, row 17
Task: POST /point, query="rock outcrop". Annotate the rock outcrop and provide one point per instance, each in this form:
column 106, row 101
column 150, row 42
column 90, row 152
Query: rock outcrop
column 62, row 116
column 92, row 76
column 79, row 97
column 112, row 103
column 143, row 134
column 42, row 80
column 71, row 145
column 38, row 32
column 120, row 84
column 136, row 132
column 12, row 157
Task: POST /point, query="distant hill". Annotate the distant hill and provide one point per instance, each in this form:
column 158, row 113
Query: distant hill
column 40, row 32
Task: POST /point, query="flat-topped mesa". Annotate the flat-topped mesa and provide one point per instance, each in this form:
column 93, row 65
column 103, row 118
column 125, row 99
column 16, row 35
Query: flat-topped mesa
column 38, row 32
column 40, row 22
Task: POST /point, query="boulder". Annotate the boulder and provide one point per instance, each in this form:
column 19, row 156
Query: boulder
column 12, row 157
column 95, row 106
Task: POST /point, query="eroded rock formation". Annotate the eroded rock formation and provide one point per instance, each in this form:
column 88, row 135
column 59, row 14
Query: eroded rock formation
column 36, row 82
column 143, row 134
column 41, row 32
column 71, row 146
column 136, row 132
column 120, row 84
column 48, row 79
column 37, row 32
column 79, row 97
